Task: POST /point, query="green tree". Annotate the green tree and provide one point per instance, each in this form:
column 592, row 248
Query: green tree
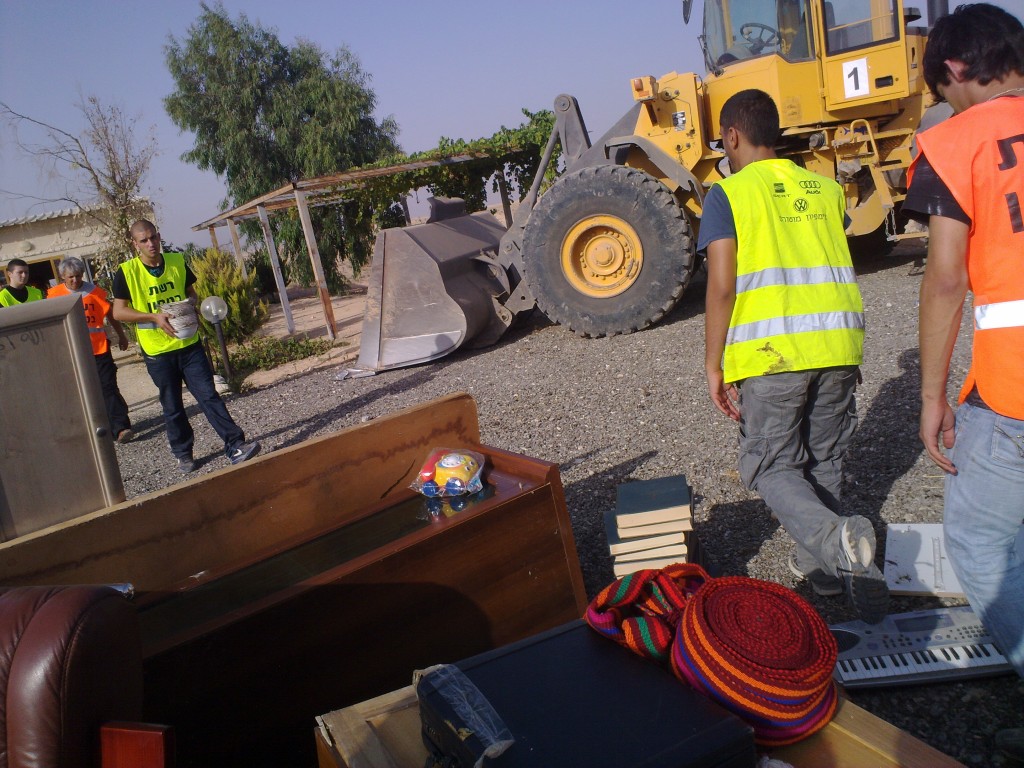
column 265, row 114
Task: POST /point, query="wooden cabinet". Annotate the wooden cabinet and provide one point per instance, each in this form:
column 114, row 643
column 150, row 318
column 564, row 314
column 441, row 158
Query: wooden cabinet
column 313, row 578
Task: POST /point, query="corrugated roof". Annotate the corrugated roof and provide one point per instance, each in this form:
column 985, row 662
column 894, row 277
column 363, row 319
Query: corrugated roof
column 321, row 190
column 73, row 210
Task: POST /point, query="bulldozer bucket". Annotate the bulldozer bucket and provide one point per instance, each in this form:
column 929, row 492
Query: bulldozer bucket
column 433, row 288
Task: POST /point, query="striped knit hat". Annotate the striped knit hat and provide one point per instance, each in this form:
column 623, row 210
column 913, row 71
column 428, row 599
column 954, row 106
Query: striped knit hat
column 762, row 652
column 641, row 611
column 756, row 648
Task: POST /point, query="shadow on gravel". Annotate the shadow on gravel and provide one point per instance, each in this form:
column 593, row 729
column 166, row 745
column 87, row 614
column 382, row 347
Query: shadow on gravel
column 910, row 255
column 587, row 499
column 733, row 534
column 311, row 426
column 692, row 303
column 885, row 445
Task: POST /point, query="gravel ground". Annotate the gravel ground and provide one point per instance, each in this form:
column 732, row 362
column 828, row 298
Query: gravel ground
column 636, row 407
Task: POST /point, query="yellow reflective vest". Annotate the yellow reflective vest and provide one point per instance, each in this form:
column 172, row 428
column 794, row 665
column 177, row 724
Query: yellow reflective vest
column 148, row 292
column 798, row 306
column 7, row 298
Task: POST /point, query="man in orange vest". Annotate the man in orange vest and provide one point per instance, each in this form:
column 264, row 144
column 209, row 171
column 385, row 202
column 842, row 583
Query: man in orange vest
column 97, row 309
column 968, row 179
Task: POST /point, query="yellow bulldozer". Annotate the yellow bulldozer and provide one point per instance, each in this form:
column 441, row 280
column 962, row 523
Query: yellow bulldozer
column 610, row 246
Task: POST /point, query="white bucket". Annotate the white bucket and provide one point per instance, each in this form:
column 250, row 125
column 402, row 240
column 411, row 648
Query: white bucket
column 183, row 318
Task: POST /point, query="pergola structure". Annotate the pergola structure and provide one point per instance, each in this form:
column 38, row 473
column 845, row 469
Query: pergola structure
column 303, row 195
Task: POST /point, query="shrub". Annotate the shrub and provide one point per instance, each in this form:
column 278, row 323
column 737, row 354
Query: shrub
column 217, row 274
column 263, row 353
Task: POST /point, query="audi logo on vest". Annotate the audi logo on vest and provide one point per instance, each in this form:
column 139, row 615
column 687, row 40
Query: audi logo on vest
column 811, row 187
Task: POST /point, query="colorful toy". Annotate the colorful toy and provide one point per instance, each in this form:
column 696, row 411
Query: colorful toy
column 450, row 473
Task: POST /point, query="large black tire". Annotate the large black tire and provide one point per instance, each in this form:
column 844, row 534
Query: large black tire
column 607, row 250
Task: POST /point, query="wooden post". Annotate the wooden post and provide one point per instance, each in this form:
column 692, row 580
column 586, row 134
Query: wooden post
column 405, row 210
column 506, row 206
column 233, row 229
column 318, row 267
column 213, row 237
column 275, row 265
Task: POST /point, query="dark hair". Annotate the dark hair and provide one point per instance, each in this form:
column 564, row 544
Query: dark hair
column 989, row 40
column 754, row 114
column 16, row 263
column 141, row 224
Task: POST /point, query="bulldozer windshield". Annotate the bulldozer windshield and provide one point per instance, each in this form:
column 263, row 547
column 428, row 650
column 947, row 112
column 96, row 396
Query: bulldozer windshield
column 735, row 30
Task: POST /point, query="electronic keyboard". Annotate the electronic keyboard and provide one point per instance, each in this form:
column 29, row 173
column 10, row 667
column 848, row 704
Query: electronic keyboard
column 917, row 647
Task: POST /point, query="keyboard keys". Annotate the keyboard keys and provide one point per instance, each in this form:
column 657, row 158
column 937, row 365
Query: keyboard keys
column 938, row 663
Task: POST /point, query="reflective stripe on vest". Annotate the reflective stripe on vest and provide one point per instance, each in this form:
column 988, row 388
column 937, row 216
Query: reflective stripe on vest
column 794, row 276
column 781, row 326
column 1005, row 314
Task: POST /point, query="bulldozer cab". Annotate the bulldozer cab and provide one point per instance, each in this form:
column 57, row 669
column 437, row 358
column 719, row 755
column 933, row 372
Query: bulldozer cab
column 860, row 44
column 735, row 30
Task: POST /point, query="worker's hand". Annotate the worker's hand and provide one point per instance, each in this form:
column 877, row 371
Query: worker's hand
column 937, row 423
column 122, row 342
column 163, row 322
column 724, row 396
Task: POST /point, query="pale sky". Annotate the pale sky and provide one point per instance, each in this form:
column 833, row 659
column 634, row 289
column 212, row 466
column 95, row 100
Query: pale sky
column 454, row 68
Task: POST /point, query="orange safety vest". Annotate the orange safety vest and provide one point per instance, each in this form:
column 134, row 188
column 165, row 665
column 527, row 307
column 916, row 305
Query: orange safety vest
column 96, row 307
column 979, row 155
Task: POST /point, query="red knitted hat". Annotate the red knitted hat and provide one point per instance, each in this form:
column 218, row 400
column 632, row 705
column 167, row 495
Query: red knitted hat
column 762, row 652
column 755, row 647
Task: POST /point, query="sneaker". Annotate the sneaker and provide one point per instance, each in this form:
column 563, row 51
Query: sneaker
column 186, row 464
column 822, row 583
column 865, row 584
column 125, row 435
column 243, row 452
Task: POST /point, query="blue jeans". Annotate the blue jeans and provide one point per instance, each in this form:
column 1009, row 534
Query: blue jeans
column 190, row 366
column 982, row 522
column 794, row 431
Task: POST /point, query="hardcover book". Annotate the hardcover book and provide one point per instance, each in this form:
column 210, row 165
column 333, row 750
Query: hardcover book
column 646, row 502
column 654, row 529
column 618, row 545
column 674, row 550
column 632, row 566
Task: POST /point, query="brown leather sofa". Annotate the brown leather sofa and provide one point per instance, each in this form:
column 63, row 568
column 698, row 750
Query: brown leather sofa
column 70, row 661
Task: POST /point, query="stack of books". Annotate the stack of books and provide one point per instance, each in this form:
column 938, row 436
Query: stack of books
column 650, row 525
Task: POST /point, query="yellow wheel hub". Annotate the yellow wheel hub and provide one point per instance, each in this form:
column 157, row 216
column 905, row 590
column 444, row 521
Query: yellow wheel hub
column 601, row 256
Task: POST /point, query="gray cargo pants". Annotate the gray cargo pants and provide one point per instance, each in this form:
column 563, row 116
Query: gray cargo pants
column 794, row 431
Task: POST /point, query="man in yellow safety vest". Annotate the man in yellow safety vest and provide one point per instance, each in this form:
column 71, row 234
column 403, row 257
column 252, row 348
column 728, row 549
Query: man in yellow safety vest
column 784, row 330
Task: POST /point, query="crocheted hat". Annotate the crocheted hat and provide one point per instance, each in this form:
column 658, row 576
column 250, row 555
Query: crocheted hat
column 758, row 649
column 762, row 652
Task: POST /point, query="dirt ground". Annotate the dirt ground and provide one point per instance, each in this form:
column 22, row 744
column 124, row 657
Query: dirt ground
column 307, row 318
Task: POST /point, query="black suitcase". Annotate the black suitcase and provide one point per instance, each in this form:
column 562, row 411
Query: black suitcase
column 570, row 697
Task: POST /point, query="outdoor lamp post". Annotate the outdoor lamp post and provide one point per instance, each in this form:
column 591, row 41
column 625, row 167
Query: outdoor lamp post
column 215, row 309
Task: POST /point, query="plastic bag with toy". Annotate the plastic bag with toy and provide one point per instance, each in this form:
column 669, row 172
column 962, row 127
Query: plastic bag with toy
column 450, row 472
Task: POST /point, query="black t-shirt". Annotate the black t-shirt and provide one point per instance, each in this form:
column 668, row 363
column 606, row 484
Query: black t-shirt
column 929, row 196
column 120, row 287
column 21, row 294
